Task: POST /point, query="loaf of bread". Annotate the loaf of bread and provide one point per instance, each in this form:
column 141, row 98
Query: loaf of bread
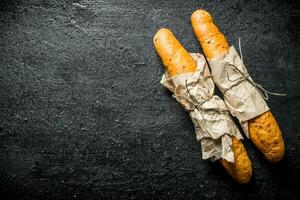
column 263, row 129
column 177, row 60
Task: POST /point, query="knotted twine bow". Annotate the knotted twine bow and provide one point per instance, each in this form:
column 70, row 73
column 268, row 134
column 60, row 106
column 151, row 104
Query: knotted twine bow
column 245, row 76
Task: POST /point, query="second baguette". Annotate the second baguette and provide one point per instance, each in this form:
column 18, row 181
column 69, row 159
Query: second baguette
column 263, row 129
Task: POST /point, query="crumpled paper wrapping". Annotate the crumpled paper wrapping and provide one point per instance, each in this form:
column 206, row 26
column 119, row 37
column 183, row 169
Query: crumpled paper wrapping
column 241, row 97
column 213, row 123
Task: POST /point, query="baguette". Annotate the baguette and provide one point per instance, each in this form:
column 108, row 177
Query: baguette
column 177, row 60
column 263, row 129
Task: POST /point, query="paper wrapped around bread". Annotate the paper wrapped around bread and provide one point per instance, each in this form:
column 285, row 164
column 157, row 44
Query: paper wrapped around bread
column 242, row 97
column 213, row 123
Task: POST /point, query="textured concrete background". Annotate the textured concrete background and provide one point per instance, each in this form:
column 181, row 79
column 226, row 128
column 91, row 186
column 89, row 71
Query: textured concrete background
column 83, row 116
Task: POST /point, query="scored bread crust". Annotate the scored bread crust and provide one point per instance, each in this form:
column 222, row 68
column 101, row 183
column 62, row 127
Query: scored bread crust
column 177, row 61
column 263, row 129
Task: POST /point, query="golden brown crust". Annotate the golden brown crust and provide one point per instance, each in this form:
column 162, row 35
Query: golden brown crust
column 241, row 169
column 176, row 61
column 262, row 128
column 174, row 57
column 213, row 42
column 267, row 137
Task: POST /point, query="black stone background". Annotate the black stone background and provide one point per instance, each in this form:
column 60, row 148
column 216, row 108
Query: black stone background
column 83, row 115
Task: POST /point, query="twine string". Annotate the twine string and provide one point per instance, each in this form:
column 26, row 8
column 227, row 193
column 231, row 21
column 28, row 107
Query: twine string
column 199, row 106
column 246, row 77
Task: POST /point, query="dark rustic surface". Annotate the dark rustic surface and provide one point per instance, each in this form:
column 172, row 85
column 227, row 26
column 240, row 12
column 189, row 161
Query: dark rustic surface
column 83, row 116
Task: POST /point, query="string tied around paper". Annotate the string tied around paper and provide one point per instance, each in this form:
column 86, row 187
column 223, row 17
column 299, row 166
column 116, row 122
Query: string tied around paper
column 245, row 76
column 198, row 105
